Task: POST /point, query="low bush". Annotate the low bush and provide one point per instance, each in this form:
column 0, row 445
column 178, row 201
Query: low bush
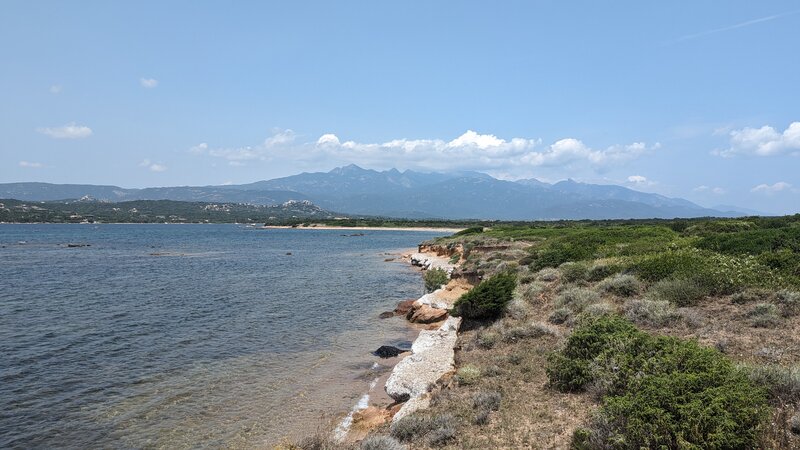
column 456, row 257
column 467, row 375
column 548, row 274
column 529, row 331
column 435, row 278
column 414, row 428
column 574, row 271
column 764, row 315
column 660, row 392
column 789, row 302
column 517, row 308
column 751, row 295
column 559, row 316
column 782, row 383
column 469, row 231
column 576, row 298
column 651, row 313
column 678, row 291
column 621, row 285
column 530, row 292
column 598, row 309
column 488, row 299
column 487, row 339
column 487, row 400
column 381, row 443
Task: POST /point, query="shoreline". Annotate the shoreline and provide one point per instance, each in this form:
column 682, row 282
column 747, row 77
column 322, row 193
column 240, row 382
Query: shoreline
column 336, row 227
column 405, row 387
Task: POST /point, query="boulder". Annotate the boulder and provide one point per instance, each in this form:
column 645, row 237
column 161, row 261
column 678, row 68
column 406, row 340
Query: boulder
column 404, row 307
column 386, row 315
column 387, row 351
column 428, row 314
column 431, row 357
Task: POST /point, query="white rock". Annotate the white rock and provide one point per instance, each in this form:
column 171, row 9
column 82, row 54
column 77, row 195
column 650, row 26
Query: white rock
column 413, row 404
column 431, row 357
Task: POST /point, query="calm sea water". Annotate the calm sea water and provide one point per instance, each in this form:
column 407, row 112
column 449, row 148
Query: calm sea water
column 180, row 336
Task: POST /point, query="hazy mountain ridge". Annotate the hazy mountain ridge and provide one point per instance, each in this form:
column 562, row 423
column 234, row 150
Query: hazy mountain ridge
column 392, row 193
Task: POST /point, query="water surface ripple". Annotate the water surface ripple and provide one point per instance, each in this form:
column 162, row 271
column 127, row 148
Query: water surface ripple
column 186, row 336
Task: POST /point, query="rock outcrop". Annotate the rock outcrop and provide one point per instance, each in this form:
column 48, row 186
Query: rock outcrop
column 432, row 356
column 427, row 262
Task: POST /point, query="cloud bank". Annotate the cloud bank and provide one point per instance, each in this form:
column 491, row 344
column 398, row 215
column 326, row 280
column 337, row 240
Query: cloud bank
column 148, row 83
column 469, row 151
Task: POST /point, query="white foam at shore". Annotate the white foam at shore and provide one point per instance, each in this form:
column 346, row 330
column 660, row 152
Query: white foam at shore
column 363, row 403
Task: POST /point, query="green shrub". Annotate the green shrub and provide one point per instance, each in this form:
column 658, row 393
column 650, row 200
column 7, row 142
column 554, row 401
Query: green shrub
column 680, row 292
column 623, row 285
column 468, row 374
column 576, row 298
column 468, row 231
column 456, row 257
column 717, row 273
column 601, row 270
column 661, row 392
column 764, row 315
column 435, row 278
column 651, row 313
column 598, row 309
column 574, row 271
column 488, row 299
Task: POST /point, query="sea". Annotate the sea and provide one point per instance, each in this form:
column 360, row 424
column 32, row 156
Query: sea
column 192, row 336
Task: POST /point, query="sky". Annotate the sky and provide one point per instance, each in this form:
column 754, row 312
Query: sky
column 695, row 99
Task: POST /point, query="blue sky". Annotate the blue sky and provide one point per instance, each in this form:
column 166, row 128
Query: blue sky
column 697, row 99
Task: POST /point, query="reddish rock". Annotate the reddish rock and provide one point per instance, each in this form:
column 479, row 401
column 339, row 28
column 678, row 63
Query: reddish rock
column 427, row 314
column 404, row 307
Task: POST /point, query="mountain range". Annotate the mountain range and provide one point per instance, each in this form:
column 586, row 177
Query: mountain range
column 391, row 193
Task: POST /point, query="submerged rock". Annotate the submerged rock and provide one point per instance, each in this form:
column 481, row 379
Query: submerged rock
column 388, row 351
column 386, row 315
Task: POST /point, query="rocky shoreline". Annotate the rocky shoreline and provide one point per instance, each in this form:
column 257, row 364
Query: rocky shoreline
column 431, row 358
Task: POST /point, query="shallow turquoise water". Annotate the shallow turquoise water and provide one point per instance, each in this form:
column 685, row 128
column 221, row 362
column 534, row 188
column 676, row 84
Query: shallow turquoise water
column 185, row 336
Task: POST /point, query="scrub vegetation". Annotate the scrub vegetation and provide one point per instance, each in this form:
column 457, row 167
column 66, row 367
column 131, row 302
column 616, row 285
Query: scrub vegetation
column 623, row 335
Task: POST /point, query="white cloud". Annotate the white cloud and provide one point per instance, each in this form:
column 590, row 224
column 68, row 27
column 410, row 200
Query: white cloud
column 69, row 131
column 637, row 179
column 469, row 151
column 764, row 141
column 771, row 189
column 30, row 164
column 714, row 190
column 152, row 166
column 148, row 83
column 55, row 89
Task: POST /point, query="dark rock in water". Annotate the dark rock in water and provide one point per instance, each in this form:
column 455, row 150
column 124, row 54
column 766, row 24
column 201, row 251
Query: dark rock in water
column 387, row 351
column 288, row 253
column 404, row 307
column 78, row 245
column 386, row 315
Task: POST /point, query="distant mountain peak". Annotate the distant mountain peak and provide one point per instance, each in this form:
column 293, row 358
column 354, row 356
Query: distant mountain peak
column 348, row 169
